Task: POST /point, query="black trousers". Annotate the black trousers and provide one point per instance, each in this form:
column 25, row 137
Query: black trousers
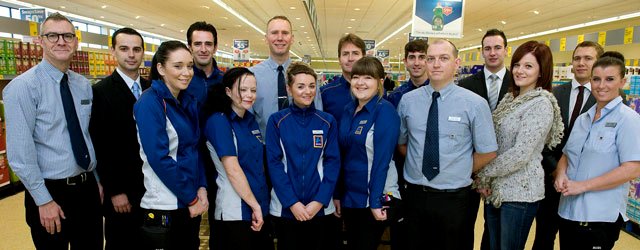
column 122, row 230
column 437, row 219
column 82, row 228
column 591, row 235
column 547, row 218
column 398, row 227
column 170, row 230
column 238, row 235
column 473, row 212
column 308, row 235
column 363, row 230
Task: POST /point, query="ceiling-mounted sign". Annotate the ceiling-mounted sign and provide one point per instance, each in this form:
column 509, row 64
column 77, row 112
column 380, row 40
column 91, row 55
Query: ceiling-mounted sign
column 438, row 18
column 383, row 56
column 241, row 50
column 413, row 38
column 369, row 47
column 306, row 59
column 33, row 14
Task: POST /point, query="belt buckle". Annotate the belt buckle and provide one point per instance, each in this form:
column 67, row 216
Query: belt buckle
column 70, row 182
column 583, row 224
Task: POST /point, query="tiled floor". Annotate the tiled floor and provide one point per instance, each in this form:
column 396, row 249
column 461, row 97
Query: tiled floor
column 14, row 232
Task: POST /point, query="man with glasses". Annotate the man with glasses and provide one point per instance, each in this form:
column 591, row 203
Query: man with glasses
column 47, row 110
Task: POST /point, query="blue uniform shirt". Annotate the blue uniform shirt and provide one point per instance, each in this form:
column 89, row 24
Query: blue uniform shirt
column 223, row 132
column 594, row 149
column 366, row 154
column 303, row 157
column 335, row 96
column 465, row 125
column 201, row 84
column 395, row 96
column 168, row 132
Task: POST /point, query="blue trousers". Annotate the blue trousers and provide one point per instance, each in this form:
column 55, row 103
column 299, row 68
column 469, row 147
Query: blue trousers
column 509, row 224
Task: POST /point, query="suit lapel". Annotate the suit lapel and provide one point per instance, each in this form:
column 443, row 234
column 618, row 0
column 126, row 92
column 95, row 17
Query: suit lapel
column 482, row 87
column 506, row 82
column 590, row 102
column 121, row 87
column 563, row 102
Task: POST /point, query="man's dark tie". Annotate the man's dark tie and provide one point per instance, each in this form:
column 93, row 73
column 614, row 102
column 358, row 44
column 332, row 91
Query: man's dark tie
column 431, row 155
column 79, row 146
column 283, row 99
column 576, row 108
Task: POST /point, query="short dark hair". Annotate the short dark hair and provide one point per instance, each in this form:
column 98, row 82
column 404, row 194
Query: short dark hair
column 162, row 55
column 594, row 45
column 370, row 66
column 202, row 26
column 611, row 59
column 299, row 68
column 494, row 32
column 352, row 39
column 217, row 99
column 280, row 18
column 56, row 16
column 415, row 46
column 543, row 55
column 128, row 31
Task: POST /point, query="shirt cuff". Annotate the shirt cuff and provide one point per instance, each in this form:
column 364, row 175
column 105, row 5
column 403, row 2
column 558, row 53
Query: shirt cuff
column 41, row 195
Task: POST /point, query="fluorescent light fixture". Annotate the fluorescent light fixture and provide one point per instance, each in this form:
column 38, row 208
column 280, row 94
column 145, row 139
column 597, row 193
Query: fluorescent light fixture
column 566, row 28
column 393, row 33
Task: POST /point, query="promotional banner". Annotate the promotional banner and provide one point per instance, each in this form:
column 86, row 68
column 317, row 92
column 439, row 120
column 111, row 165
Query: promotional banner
column 306, row 59
column 438, row 18
column 33, row 14
column 241, row 50
column 369, row 47
column 383, row 56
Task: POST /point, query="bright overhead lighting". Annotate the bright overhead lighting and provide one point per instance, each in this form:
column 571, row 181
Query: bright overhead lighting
column 536, row 12
column 181, row 31
column 394, row 33
column 349, row 27
column 62, row 7
column 305, row 32
column 503, row 22
column 292, row 8
column 162, row 25
column 103, row 6
column 301, row 26
column 356, row 9
column 225, row 18
column 137, row 17
column 480, row 30
column 352, row 19
column 205, row 7
column 101, row 16
column 297, row 18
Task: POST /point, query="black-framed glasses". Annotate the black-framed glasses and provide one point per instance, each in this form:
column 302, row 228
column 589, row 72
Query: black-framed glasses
column 54, row 37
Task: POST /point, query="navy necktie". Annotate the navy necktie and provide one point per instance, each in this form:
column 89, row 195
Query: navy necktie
column 78, row 145
column 431, row 155
column 576, row 108
column 283, row 99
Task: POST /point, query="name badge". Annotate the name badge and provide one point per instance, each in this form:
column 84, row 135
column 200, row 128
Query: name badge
column 359, row 130
column 85, row 102
column 317, row 141
column 318, row 132
column 255, row 132
column 454, row 118
column 610, row 124
column 363, row 122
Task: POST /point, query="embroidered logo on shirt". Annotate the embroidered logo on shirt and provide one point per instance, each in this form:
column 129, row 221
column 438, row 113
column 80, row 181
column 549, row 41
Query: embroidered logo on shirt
column 610, row 124
column 256, row 133
column 317, row 141
column 359, row 130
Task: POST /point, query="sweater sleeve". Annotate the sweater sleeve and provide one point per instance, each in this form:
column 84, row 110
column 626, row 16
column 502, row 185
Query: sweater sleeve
column 536, row 122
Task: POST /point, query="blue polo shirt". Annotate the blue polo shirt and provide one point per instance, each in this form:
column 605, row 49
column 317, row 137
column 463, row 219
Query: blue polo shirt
column 201, row 83
column 223, row 132
column 395, row 96
column 303, row 158
column 595, row 149
column 335, row 96
column 366, row 154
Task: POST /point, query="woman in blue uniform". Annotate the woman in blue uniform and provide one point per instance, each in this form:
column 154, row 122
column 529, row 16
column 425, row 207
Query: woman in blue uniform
column 601, row 156
column 167, row 121
column 235, row 145
column 368, row 137
column 304, row 160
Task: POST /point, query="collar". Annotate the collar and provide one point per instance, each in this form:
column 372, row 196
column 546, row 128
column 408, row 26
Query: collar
column 274, row 66
column 216, row 71
column 163, row 91
column 52, row 71
column 344, row 82
column 300, row 111
column 575, row 85
column 412, row 86
column 371, row 105
column 606, row 110
column 444, row 92
column 128, row 80
column 234, row 116
column 500, row 73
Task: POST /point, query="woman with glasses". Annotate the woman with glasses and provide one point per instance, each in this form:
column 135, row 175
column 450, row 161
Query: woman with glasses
column 168, row 131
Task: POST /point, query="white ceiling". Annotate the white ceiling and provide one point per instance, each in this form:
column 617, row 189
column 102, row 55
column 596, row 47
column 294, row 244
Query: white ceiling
column 374, row 19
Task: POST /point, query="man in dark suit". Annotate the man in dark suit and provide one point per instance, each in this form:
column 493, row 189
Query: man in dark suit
column 574, row 99
column 113, row 131
column 492, row 83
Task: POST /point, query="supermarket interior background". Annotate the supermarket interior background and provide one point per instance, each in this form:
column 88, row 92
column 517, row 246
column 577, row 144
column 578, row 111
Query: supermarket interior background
column 317, row 27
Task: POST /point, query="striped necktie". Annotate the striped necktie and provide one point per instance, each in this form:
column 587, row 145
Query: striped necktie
column 493, row 91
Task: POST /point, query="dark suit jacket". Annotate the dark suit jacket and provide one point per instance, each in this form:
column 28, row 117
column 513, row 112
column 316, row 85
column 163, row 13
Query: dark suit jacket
column 477, row 85
column 562, row 93
column 114, row 135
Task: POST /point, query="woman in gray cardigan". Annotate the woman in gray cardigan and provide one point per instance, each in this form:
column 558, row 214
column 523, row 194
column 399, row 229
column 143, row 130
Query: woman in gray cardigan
column 527, row 119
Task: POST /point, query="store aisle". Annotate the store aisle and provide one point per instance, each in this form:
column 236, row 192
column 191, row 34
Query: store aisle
column 14, row 233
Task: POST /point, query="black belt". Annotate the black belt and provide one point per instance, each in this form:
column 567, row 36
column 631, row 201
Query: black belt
column 72, row 181
column 434, row 190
